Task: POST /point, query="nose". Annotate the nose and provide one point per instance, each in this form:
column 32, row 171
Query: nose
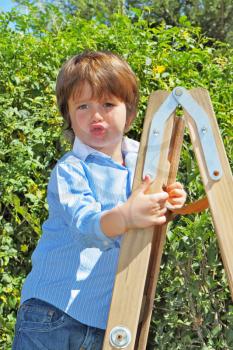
column 97, row 115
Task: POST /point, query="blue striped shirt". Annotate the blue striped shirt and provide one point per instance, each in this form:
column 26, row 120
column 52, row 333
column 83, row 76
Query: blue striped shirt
column 74, row 263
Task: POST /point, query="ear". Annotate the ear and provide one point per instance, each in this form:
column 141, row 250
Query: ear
column 129, row 121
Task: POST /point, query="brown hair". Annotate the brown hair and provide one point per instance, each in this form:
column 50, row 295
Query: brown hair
column 106, row 72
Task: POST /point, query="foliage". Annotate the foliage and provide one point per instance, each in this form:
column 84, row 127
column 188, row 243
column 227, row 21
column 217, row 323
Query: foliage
column 215, row 17
column 199, row 316
column 193, row 307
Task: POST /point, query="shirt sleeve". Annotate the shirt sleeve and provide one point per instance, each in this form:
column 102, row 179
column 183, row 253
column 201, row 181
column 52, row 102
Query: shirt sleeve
column 70, row 193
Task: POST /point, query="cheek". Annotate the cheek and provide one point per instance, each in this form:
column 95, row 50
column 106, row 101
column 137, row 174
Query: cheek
column 121, row 116
column 78, row 121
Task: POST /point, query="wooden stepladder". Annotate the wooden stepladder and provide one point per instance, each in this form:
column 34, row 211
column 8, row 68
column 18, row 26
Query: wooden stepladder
column 141, row 251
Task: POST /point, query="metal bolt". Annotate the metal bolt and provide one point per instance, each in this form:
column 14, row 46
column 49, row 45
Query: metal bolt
column 204, row 130
column 178, row 92
column 120, row 337
column 156, row 132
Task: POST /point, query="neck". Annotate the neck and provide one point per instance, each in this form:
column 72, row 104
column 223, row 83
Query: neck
column 115, row 152
column 118, row 157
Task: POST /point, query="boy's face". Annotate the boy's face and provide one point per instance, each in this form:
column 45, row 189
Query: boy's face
column 99, row 124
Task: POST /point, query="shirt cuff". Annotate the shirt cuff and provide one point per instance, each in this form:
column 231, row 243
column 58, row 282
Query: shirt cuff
column 106, row 241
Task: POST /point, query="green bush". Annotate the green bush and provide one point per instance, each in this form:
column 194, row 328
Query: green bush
column 193, row 308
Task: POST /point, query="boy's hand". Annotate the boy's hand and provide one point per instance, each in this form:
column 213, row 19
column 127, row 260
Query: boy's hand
column 144, row 210
column 177, row 196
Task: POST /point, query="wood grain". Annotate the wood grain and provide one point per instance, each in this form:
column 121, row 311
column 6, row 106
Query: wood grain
column 219, row 193
column 141, row 251
column 136, row 246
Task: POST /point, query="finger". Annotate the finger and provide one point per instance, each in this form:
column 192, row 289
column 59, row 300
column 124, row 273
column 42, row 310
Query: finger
column 160, row 220
column 174, row 185
column 177, row 193
column 162, row 212
column 146, row 177
column 175, row 200
column 159, row 197
column 174, row 206
column 145, row 185
column 159, row 211
column 155, row 208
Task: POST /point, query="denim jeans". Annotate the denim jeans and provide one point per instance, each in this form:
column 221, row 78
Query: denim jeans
column 41, row 326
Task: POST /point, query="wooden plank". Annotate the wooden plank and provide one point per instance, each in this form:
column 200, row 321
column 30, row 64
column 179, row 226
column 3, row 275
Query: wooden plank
column 136, row 253
column 219, row 193
column 159, row 238
column 136, row 246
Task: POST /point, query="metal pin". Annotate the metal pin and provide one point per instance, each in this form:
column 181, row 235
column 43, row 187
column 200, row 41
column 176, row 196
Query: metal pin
column 178, row 92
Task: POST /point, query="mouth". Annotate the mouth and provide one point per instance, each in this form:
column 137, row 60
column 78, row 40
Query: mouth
column 97, row 129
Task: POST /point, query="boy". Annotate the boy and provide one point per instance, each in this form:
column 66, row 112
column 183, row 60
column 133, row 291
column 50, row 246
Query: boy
column 66, row 297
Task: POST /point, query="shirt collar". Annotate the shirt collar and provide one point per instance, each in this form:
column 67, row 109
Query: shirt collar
column 83, row 151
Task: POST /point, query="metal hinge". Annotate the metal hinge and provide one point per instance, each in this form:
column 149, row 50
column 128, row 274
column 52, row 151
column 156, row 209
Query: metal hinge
column 180, row 96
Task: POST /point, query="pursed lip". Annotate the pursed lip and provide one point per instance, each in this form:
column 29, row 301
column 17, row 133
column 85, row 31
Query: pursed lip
column 97, row 126
column 97, row 129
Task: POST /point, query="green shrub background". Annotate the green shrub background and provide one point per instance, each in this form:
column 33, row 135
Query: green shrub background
column 193, row 308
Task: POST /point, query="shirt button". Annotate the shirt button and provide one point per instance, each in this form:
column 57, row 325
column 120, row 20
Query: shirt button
column 105, row 243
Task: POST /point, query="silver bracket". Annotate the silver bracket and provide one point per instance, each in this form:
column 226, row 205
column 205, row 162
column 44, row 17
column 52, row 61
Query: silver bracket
column 120, row 337
column 180, row 96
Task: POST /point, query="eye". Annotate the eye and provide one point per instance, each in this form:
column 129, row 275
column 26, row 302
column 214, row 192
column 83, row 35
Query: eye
column 82, row 107
column 108, row 105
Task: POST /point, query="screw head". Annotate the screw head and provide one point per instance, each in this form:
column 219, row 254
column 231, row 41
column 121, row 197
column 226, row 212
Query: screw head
column 156, row 132
column 204, row 130
column 178, row 92
column 120, row 337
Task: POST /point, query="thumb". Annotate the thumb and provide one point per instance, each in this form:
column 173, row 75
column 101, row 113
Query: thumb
column 145, row 185
column 161, row 196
